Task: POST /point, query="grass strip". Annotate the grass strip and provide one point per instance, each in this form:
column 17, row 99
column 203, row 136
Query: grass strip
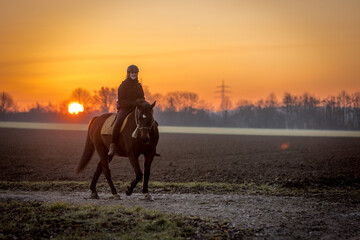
column 39, row 220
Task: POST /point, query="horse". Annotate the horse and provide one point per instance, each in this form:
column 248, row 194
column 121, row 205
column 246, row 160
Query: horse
column 139, row 136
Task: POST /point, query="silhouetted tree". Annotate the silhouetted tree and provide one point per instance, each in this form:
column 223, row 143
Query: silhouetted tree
column 330, row 112
column 355, row 99
column 159, row 101
column 37, row 108
column 106, row 99
column 271, row 101
column 344, row 102
column 154, row 97
column 291, row 106
column 181, row 101
column 148, row 96
column 245, row 114
column 271, row 116
column 185, row 108
column 309, row 104
column 225, row 106
column 49, row 108
column 64, row 106
column 40, row 108
column 83, row 97
column 6, row 103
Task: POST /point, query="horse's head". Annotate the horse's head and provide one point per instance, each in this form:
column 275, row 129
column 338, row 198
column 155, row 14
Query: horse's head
column 144, row 119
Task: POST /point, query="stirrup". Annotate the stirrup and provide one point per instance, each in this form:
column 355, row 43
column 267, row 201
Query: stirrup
column 112, row 149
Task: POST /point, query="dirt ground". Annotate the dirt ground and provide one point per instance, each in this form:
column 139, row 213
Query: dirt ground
column 48, row 155
column 44, row 155
column 268, row 217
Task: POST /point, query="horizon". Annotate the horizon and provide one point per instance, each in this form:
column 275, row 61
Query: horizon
column 257, row 48
column 201, row 103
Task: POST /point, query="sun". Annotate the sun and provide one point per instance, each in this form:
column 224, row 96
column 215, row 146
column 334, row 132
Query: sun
column 75, row 108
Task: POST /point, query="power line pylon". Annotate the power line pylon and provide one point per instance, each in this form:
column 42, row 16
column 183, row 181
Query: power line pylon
column 224, row 98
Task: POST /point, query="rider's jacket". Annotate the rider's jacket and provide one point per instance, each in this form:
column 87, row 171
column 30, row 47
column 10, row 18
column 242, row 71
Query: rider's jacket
column 129, row 91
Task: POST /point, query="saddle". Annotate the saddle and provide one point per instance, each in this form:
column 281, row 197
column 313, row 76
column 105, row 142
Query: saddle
column 109, row 124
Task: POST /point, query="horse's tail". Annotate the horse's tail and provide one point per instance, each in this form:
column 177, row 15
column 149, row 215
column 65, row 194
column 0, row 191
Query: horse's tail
column 88, row 151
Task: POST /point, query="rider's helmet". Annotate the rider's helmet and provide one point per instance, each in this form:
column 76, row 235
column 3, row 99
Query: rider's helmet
column 132, row 68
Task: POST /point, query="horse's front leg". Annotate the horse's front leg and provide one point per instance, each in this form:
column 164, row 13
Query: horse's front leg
column 147, row 165
column 138, row 174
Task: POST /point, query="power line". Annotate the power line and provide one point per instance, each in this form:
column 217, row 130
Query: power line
column 224, row 98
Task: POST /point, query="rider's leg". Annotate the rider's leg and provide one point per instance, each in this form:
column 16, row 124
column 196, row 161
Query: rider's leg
column 116, row 132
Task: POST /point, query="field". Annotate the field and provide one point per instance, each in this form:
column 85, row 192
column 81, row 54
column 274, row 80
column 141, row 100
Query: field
column 256, row 186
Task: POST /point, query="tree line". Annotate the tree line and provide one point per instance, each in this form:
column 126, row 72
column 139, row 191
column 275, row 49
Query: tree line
column 181, row 108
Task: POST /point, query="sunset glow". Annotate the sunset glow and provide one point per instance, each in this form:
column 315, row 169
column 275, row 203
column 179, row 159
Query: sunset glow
column 48, row 48
column 75, row 108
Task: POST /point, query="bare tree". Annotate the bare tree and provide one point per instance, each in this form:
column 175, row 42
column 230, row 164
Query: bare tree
column 271, row 101
column 37, row 108
column 148, row 96
column 83, row 97
column 106, row 98
column 41, row 108
column 330, row 111
column 308, row 104
column 269, row 112
column 344, row 103
column 203, row 105
column 64, row 106
column 181, row 101
column 290, row 102
column 159, row 98
column 6, row 103
column 225, row 104
column 344, row 99
column 355, row 99
column 244, row 114
column 189, row 101
column 171, row 101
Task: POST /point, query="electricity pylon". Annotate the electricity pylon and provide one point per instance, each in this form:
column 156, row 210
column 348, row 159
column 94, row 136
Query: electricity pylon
column 225, row 101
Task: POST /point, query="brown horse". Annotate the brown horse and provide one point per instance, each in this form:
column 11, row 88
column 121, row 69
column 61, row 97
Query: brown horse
column 139, row 136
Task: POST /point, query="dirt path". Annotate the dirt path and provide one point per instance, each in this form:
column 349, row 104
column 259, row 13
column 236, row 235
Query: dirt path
column 269, row 216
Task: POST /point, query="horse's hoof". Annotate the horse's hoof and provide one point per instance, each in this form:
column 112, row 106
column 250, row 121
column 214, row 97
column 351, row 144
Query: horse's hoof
column 94, row 195
column 148, row 197
column 115, row 197
column 128, row 191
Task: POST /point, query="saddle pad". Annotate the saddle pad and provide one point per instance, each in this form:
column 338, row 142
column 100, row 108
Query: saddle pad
column 109, row 124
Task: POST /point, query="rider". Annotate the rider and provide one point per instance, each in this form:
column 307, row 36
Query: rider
column 129, row 91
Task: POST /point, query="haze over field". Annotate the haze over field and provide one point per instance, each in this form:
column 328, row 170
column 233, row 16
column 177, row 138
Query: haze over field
column 49, row 48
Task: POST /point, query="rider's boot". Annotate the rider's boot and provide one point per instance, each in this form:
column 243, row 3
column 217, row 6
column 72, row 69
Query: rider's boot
column 112, row 149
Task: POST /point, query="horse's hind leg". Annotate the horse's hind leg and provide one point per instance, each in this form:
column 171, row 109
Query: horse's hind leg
column 135, row 164
column 94, row 181
column 104, row 162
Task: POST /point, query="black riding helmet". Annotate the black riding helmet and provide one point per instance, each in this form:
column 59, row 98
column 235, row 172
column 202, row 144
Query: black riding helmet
column 132, row 68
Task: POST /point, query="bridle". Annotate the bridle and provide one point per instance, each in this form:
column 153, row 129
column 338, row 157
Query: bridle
column 138, row 127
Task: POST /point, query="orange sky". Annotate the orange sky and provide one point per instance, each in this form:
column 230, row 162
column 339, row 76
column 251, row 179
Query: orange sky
column 49, row 48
